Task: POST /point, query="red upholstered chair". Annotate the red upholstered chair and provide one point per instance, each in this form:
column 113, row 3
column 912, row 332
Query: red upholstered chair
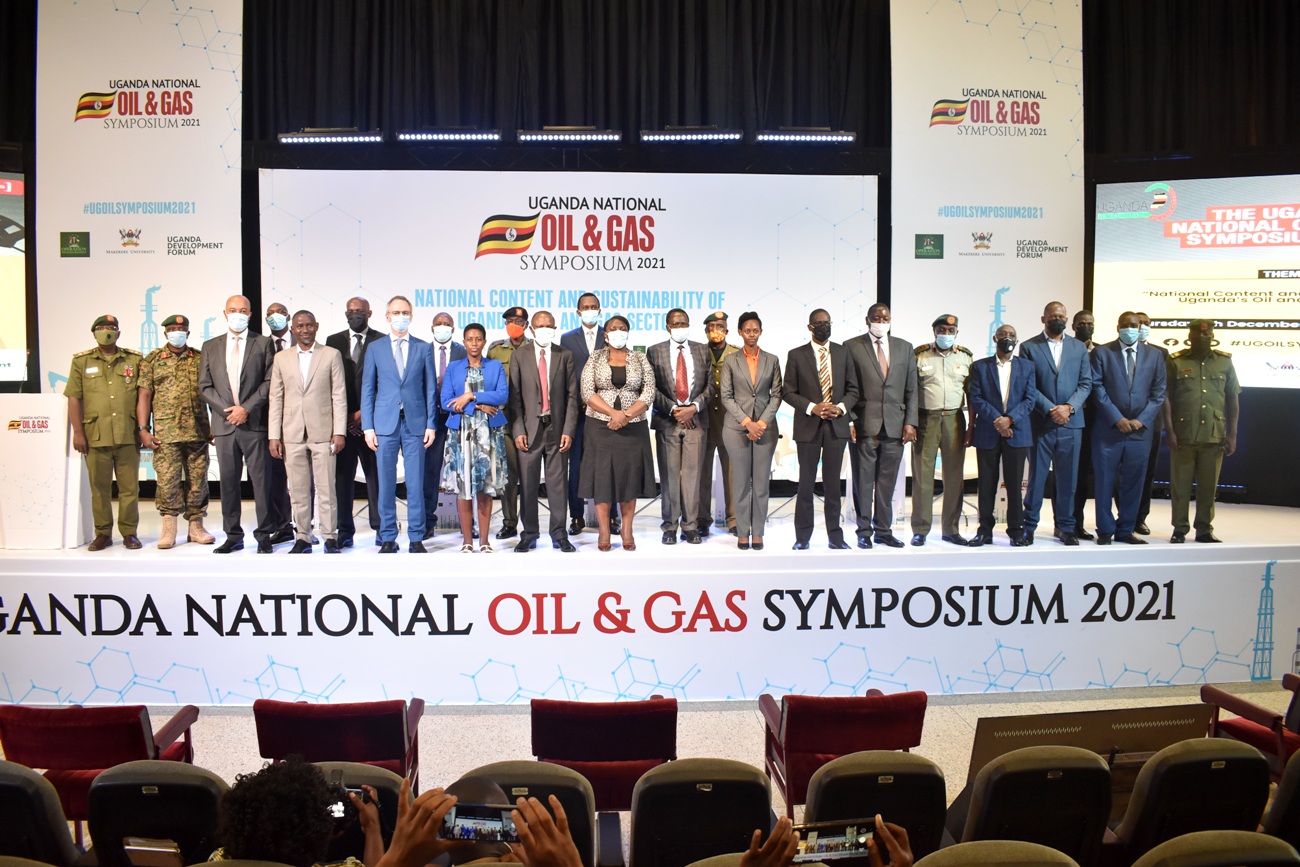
column 381, row 733
column 804, row 732
column 610, row 743
column 1276, row 735
column 74, row 744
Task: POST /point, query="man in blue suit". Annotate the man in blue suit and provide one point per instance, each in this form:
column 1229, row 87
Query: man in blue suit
column 1128, row 391
column 1063, row 379
column 398, row 407
column 442, row 352
column 1002, row 394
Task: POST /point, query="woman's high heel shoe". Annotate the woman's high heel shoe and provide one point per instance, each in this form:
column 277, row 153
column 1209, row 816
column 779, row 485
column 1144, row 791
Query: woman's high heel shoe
column 743, row 544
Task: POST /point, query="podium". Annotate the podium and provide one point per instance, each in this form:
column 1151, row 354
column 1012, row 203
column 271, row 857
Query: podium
column 46, row 501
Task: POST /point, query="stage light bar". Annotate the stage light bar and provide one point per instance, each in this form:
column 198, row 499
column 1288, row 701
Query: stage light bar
column 807, row 136
column 691, row 134
column 331, row 136
column 450, row 135
column 570, row 134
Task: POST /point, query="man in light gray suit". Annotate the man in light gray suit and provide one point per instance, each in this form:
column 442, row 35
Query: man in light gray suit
column 239, row 420
column 883, row 420
column 308, row 425
column 543, row 413
column 683, row 388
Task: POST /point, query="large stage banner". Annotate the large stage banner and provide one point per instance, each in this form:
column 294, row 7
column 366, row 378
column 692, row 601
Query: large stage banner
column 477, row 243
column 138, row 209
column 988, row 188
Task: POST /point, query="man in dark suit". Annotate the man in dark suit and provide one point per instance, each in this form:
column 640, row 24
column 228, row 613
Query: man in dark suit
column 352, row 343
column 582, row 342
column 683, row 387
column 543, row 414
column 1144, row 507
column 397, row 415
column 1002, row 394
column 235, row 380
column 884, row 419
column 1128, row 390
column 277, row 321
column 1063, row 378
column 820, row 384
column 444, row 351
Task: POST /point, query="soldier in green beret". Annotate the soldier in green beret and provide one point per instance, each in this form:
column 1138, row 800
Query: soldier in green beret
column 944, row 426
column 1200, row 427
column 169, row 390
column 715, row 329
column 101, row 411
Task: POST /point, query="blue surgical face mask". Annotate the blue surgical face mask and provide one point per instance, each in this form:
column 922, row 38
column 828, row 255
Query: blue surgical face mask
column 679, row 335
column 1144, row 333
column 277, row 321
column 401, row 324
column 442, row 333
column 589, row 317
column 616, row 339
column 177, row 338
column 238, row 322
column 945, row 341
column 1129, row 336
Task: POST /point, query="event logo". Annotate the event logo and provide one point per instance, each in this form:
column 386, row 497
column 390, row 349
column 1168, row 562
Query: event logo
column 983, row 240
column 94, row 106
column 74, row 245
column 929, row 246
column 190, row 245
column 990, row 111
column 130, row 237
column 947, row 112
column 141, row 103
column 30, row 424
column 505, row 233
column 1160, row 206
column 563, row 227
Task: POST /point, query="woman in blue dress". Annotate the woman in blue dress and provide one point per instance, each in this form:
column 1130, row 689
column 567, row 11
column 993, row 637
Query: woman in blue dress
column 474, row 391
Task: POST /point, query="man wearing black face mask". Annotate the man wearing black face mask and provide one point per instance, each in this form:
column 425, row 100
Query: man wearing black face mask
column 1084, row 324
column 1200, row 427
column 352, row 342
column 1063, row 377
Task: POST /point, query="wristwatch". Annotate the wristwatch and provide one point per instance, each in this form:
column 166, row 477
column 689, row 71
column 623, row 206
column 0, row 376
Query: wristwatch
column 142, row 427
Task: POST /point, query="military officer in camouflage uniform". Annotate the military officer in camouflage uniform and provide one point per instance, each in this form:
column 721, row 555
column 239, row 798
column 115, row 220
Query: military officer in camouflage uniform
column 715, row 329
column 942, row 372
column 169, row 389
column 1200, row 427
column 502, row 350
column 101, row 410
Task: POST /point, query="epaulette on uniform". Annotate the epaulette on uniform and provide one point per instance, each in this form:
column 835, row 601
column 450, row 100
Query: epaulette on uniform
column 960, row 348
column 1180, row 353
column 86, row 352
column 495, row 343
column 922, row 349
column 1221, row 352
column 130, row 351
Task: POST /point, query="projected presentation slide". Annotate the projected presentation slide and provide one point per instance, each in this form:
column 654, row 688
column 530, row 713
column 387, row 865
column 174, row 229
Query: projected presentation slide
column 1226, row 249
column 13, row 279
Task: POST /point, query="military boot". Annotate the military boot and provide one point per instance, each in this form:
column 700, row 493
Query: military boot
column 168, row 537
column 199, row 534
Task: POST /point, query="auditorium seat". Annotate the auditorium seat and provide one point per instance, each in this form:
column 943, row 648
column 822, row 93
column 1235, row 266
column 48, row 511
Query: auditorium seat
column 32, row 824
column 387, row 786
column 697, row 808
column 804, row 732
column 903, row 788
column 1283, row 817
column 1220, row 849
column 74, row 744
column 1008, row 852
column 381, row 733
column 540, row 780
column 156, row 800
column 1276, row 735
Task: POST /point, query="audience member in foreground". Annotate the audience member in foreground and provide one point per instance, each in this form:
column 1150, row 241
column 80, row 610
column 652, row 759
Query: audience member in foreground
column 783, row 842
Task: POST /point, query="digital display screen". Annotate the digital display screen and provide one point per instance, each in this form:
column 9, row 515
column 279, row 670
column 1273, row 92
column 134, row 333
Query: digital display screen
column 13, row 278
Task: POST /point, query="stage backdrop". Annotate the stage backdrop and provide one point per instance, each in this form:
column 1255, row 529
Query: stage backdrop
column 476, row 243
column 988, row 206
column 137, row 130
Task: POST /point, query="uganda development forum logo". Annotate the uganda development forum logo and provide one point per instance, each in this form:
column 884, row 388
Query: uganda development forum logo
column 506, row 233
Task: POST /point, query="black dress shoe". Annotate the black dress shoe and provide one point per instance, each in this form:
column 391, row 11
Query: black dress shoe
column 1027, row 539
column 331, row 546
column 757, row 546
column 430, row 533
column 387, row 547
column 1083, row 535
column 132, row 542
column 918, row 540
column 1103, row 538
column 979, row 540
column 1141, row 528
column 1177, row 538
column 1130, row 539
column 703, row 530
column 417, row 548
column 1069, row 539
column 264, row 546
column 281, row 537
column 1019, row 542
column 670, row 537
column 742, row 546
column 576, row 526
column 300, row 547
column 890, row 541
column 526, row 545
column 564, row 545
column 616, row 526
column 103, row 540
column 732, row 531
column 799, row 546
column 1208, row 537
column 954, row 539
column 344, row 542
column 838, row 545
column 507, row 532
column 693, row 537
column 864, row 543
column 228, row 546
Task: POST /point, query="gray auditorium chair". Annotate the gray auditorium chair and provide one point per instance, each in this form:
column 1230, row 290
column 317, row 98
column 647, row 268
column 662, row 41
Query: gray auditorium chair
column 1056, row 796
column 32, row 824
column 903, row 788
column 1206, row 784
column 997, row 852
column 1283, row 818
column 158, row 800
column 530, row 779
column 692, row 809
column 386, row 783
column 1221, row 849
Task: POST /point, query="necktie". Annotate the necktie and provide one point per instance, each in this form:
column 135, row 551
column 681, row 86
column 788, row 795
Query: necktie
column 356, row 348
column 880, row 356
column 546, row 384
column 824, row 374
column 1131, row 362
column 442, row 363
column 399, row 355
column 232, row 367
column 683, row 393
column 279, row 343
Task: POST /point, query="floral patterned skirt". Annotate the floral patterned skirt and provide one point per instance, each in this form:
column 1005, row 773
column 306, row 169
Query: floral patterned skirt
column 475, row 459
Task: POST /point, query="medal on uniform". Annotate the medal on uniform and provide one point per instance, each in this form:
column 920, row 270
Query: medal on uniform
column 128, row 371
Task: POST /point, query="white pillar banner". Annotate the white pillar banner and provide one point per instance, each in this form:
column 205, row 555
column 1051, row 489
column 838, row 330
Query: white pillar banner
column 988, row 209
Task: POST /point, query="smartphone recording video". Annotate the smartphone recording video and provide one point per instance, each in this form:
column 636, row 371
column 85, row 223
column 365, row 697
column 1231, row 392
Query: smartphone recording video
column 832, row 841
column 480, row 823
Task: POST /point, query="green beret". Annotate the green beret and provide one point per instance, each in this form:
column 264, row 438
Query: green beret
column 945, row 319
column 107, row 319
column 715, row 316
column 1200, row 325
column 176, row 319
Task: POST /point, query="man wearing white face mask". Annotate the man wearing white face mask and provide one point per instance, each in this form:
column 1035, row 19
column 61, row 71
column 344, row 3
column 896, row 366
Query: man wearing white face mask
column 543, row 413
column 444, row 351
column 582, row 341
column 683, row 388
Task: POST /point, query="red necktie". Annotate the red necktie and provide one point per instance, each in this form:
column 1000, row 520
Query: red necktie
column 546, row 386
column 683, row 393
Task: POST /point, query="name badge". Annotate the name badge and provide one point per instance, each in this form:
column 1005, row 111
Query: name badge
column 926, row 368
column 92, row 370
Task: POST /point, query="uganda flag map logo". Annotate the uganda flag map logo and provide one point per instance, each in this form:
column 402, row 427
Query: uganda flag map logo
column 95, row 105
column 505, row 233
column 948, row 111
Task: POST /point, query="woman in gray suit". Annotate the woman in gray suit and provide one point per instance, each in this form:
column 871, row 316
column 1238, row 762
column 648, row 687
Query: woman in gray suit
column 751, row 395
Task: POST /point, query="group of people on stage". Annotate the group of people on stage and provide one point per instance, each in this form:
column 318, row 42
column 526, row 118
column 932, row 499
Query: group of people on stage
column 485, row 421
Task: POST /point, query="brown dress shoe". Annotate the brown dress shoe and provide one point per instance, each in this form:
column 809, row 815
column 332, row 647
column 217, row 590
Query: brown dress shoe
column 102, row 541
column 132, row 542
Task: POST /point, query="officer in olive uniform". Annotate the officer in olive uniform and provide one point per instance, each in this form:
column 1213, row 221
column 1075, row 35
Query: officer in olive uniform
column 1200, row 427
column 169, row 391
column 501, row 350
column 101, row 410
column 715, row 329
column 942, row 371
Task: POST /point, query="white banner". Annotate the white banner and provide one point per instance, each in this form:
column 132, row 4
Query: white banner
column 988, row 191
column 476, row 243
column 138, row 208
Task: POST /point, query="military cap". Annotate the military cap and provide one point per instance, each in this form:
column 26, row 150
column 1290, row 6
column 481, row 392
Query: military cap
column 945, row 319
column 1200, row 325
column 515, row 312
column 106, row 319
column 176, row 319
column 715, row 316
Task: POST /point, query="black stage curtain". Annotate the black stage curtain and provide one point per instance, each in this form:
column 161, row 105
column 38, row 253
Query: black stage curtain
column 17, row 71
